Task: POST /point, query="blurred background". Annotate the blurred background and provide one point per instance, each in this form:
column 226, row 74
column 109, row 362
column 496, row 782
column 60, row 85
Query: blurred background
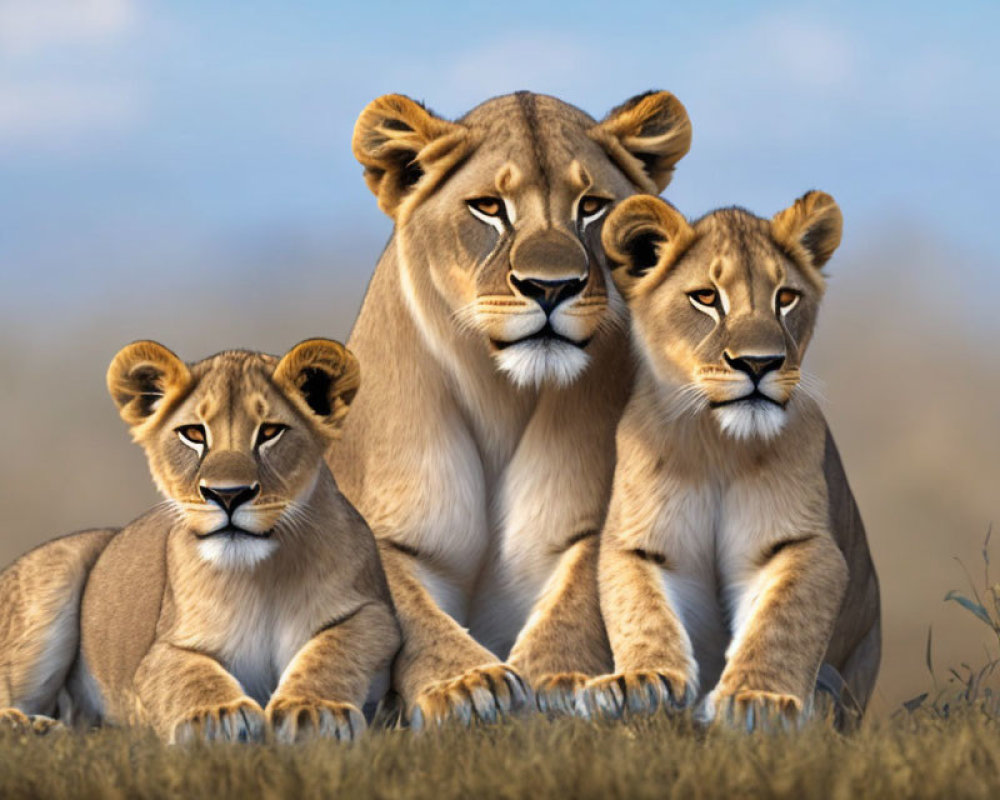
column 182, row 171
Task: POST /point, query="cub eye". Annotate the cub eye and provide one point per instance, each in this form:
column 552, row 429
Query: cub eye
column 487, row 206
column 193, row 435
column 787, row 298
column 269, row 431
column 592, row 205
column 704, row 297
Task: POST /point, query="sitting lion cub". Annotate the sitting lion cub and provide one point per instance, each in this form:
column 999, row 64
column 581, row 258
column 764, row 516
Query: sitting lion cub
column 252, row 598
column 733, row 555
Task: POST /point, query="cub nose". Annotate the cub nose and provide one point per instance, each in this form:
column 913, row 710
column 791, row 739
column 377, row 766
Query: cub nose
column 229, row 498
column 548, row 293
column 756, row 367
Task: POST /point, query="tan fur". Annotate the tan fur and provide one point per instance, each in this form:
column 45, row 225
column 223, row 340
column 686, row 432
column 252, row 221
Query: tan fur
column 733, row 561
column 483, row 460
column 208, row 618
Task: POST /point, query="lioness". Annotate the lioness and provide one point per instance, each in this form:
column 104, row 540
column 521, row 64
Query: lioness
column 481, row 444
column 733, row 557
column 252, row 598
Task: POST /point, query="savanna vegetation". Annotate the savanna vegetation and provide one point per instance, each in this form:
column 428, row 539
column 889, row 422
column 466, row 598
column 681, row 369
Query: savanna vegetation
column 944, row 742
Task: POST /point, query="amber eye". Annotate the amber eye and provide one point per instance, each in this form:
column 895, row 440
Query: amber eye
column 787, row 298
column 192, row 434
column 591, row 205
column 269, row 431
column 487, row 206
column 705, row 297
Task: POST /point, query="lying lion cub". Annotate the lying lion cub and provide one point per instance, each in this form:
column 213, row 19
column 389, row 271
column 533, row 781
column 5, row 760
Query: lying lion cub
column 252, row 597
column 733, row 555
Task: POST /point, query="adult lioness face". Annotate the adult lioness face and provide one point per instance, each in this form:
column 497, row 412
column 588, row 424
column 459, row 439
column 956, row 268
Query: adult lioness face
column 235, row 442
column 723, row 310
column 498, row 217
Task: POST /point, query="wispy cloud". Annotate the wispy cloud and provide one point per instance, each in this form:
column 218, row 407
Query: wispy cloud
column 63, row 115
column 30, row 26
column 516, row 61
column 62, row 87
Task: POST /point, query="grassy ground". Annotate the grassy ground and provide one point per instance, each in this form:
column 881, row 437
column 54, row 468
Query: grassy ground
column 914, row 756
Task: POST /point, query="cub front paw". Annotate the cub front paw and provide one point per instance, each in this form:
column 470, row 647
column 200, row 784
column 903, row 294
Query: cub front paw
column 38, row 724
column 636, row 692
column 296, row 719
column 483, row 694
column 239, row 721
column 559, row 693
column 752, row 709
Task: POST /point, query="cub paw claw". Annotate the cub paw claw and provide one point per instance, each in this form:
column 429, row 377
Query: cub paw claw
column 484, row 694
column 635, row 692
column 558, row 694
column 240, row 721
column 755, row 710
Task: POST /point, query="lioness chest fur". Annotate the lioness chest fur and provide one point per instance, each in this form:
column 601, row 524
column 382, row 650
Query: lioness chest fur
column 733, row 562
column 253, row 598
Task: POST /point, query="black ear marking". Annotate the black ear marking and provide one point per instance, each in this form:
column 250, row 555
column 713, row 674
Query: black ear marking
column 643, row 250
column 315, row 386
column 410, row 170
column 146, row 383
column 396, row 124
column 816, row 236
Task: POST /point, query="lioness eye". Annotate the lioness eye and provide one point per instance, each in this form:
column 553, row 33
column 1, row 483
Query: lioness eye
column 705, row 297
column 488, row 206
column 591, row 205
column 269, row 431
column 787, row 298
column 194, row 434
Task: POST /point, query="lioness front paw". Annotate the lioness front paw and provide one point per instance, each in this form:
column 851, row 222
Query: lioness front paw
column 559, row 694
column 239, row 721
column 753, row 709
column 636, row 692
column 483, row 694
column 297, row 719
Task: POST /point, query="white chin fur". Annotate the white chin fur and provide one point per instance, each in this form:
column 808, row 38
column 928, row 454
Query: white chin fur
column 537, row 362
column 751, row 419
column 236, row 552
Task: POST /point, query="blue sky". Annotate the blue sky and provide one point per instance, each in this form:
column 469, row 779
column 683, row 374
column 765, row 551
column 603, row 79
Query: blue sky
column 138, row 137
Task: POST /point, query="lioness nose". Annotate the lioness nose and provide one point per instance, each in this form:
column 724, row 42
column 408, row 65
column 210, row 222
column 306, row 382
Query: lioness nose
column 755, row 366
column 230, row 498
column 548, row 293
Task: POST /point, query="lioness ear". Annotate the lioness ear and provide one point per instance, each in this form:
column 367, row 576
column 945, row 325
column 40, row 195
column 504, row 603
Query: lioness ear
column 323, row 376
column 810, row 228
column 141, row 377
column 646, row 136
column 643, row 237
column 404, row 148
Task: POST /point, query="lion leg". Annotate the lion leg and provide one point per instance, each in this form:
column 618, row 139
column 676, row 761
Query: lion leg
column 784, row 620
column 40, row 624
column 654, row 668
column 441, row 672
column 564, row 642
column 188, row 696
column 324, row 687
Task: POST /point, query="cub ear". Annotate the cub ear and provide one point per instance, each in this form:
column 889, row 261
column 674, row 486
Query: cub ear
column 643, row 237
column 810, row 228
column 405, row 149
column 646, row 136
column 141, row 377
column 322, row 376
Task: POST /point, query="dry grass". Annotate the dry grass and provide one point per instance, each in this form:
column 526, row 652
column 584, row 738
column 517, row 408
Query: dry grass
column 910, row 756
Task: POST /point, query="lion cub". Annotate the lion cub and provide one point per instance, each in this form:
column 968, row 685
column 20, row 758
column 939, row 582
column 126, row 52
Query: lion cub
column 733, row 557
column 252, row 598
